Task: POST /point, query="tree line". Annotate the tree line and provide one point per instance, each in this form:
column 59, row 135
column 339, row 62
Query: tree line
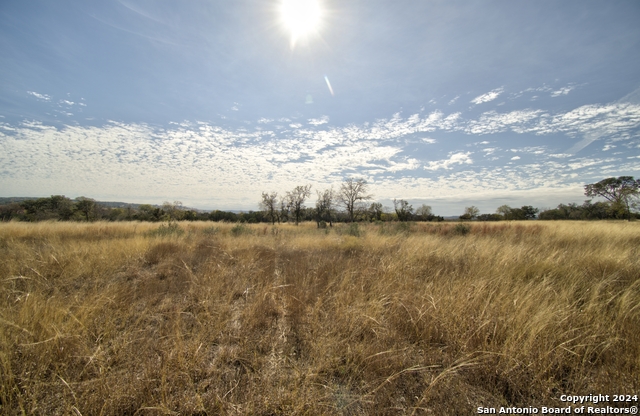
column 351, row 202
column 621, row 195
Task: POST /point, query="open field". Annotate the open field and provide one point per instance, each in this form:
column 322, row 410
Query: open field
column 206, row 318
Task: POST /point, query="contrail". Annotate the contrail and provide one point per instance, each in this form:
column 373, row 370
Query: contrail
column 588, row 139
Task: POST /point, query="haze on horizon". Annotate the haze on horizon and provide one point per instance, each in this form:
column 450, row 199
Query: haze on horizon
column 446, row 103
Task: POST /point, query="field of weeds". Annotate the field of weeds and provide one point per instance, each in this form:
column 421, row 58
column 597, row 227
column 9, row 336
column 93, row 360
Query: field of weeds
column 205, row 318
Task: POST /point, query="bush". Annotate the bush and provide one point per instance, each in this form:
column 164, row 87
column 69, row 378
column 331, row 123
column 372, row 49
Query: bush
column 461, row 229
column 240, row 229
column 165, row 230
column 353, row 229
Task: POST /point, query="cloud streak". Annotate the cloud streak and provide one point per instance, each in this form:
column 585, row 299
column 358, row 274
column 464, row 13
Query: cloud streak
column 490, row 96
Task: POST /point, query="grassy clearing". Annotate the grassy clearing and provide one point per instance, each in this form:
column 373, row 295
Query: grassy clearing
column 129, row 318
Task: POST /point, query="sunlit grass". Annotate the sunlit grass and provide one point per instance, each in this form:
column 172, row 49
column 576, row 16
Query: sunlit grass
column 206, row 318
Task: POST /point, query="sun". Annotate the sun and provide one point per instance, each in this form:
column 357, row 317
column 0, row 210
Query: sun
column 301, row 17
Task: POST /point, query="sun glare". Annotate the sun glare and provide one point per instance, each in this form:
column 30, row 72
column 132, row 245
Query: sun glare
column 301, row 17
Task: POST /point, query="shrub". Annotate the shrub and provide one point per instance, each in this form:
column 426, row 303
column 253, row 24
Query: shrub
column 240, row 229
column 354, row 229
column 165, row 230
column 461, row 229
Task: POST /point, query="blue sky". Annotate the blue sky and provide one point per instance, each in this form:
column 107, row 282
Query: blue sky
column 444, row 103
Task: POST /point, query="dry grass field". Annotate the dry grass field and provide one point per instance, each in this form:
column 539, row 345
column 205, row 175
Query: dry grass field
column 206, row 319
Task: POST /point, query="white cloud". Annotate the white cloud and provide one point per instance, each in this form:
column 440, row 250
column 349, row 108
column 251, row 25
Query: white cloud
column 318, row 121
column 490, row 96
column 454, row 159
column 515, row 158
column 563, row 91
column 492, row 122
column 139, row 162
column 43, row 97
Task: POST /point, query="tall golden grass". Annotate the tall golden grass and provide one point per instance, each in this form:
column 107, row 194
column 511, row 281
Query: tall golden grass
column 133, row 319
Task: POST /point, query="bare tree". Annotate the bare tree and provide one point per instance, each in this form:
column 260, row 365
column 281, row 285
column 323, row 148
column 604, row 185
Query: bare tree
column 424, row 211
column 351, row 192
column 324, row 206
column 285, row 208
column 296, row 200
column 269, row 204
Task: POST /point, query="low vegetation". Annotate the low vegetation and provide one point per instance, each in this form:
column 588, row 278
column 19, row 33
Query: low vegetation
column 355, row 319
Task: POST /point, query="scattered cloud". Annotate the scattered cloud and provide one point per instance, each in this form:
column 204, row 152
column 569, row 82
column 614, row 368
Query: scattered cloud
column 149, row 161
column 492, row 122
column 490, row 96
column 563, row 91
column 454, row 159
column 43, row 97
column 318, row 121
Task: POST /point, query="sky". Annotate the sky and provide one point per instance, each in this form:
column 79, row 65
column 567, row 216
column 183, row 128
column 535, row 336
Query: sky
column 212, row 102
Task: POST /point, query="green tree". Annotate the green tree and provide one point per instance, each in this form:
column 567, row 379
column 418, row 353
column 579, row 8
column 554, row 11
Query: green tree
column 505, row 211
column 490, row 217
column 470, row 213
column 148, row 212
column 62, row 206
column 619, row 191
column 86, row 206
column 404, row 211
column 11, row 211
column 375, row 211
column 529, row 212
column 173, row 210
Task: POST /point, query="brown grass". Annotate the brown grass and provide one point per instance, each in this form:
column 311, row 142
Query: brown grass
column 115, row 319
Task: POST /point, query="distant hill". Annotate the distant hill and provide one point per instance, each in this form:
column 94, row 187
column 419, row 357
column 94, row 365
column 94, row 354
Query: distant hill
column 14, row 199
